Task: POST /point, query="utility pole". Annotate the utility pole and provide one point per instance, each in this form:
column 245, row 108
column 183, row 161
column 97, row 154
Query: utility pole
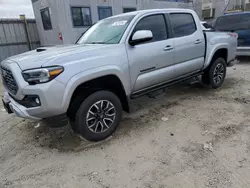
column 227, row 3
column 23, row 18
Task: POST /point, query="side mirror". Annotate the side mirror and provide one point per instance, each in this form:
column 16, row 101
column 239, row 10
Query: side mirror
column 140, row 37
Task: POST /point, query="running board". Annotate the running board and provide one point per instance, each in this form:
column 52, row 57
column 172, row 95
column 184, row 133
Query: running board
column 163, row 85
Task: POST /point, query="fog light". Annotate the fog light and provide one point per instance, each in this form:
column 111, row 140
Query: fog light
column 37, row 101
column 29, row 101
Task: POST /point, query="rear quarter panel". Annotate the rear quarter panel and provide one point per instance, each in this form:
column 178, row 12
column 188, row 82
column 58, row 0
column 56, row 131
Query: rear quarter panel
column 219, row 40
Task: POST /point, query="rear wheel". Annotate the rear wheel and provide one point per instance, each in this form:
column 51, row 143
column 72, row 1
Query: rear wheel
column 99, row 115
column 216, row 73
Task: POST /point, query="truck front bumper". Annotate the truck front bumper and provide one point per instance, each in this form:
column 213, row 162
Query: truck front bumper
column 11, row 106
column 49, row 96
column 39, row 101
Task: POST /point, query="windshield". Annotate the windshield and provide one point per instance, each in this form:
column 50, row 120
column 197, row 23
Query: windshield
column 233, row 22
column 108, row 31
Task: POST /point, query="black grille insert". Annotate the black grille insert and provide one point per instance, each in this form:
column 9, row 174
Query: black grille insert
column 9, row 81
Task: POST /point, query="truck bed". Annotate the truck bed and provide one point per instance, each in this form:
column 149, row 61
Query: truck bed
column 214, row 39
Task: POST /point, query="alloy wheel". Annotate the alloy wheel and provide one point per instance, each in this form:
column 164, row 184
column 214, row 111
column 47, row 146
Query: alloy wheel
column 218, row 74
column 100, row 116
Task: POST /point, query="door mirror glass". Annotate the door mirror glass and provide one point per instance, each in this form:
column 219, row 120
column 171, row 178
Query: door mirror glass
column 141, row 36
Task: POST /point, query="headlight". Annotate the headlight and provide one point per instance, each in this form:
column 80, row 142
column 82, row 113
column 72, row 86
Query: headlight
column 43, row 75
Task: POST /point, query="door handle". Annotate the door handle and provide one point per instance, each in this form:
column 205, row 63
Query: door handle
column 198, row 41
column 168, row 48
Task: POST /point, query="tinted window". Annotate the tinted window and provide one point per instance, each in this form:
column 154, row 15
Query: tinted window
column 104, row 12
column 182, row 24
column 233, row 22
column 81, row 16
column 175, row 0
column 156, row 24
column 128, row 10
column 46, row 19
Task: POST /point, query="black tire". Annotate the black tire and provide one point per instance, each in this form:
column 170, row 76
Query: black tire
column 106, row 127
column 216, row 73
column 72, row 114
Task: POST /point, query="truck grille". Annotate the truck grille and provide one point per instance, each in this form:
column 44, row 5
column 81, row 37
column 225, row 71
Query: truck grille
column 8, row 80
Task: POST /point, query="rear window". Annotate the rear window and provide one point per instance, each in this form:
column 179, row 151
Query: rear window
column 232, row 22
column 183, row 24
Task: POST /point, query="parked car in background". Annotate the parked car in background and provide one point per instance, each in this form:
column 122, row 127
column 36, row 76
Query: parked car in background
column 240, row 24
column 118, row 59
column 205, row 25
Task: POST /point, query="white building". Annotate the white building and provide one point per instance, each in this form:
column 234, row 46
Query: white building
column 63, row 21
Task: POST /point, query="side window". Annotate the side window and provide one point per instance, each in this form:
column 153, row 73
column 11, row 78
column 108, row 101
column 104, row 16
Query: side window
column 156, row 24
column 45, row 14
column 183, row 24
column 125, row 10
column 81, row 16
column 104, row 12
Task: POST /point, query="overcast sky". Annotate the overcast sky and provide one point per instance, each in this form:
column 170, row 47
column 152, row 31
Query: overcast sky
column 13, row 8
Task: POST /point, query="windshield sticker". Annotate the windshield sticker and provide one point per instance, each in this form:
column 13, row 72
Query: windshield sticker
column 119, row 23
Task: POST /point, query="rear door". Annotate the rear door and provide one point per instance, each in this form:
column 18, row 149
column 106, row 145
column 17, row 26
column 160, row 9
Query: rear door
column 189, row 43
column 151, row 62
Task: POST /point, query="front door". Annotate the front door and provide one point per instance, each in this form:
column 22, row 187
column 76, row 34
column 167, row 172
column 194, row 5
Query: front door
column 152, row 62
column 189, row 44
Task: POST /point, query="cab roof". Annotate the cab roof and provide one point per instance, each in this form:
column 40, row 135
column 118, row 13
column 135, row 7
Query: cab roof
column 169, row 10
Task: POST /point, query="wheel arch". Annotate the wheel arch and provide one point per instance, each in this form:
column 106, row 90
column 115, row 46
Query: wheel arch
column 215, row 52
column 109, row 82
column 222, row 52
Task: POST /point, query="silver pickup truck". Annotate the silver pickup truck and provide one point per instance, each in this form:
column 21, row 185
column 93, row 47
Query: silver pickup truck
column 116, row 60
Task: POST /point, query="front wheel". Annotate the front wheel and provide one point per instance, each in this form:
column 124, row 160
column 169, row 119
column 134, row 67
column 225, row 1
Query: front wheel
column 99, row 115
column 216, row 73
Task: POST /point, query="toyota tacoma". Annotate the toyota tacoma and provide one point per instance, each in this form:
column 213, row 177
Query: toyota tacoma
column 118, row 59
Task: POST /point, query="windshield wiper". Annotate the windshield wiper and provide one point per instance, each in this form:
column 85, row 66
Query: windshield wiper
column 105, row 42
column 112, row 38
column 96, row 43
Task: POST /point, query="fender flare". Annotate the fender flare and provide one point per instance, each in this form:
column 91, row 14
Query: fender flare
column 91, row 74
column 212, row 49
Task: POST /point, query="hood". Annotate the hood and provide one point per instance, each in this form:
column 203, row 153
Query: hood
column 58, row 55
